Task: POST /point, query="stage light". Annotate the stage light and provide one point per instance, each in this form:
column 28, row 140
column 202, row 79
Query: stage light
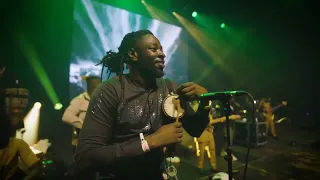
column 37, row 105
column 194, row 14
column 58, row 106
column 222, row 25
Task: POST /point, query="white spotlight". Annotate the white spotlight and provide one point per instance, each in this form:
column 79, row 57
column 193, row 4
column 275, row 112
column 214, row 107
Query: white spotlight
column 37, row 105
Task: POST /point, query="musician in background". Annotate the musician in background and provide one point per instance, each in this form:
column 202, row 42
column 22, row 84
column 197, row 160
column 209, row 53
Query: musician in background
column 231, row 130
column 12, row 149
column 207, row 138
column 76, row 112
column 268, row 112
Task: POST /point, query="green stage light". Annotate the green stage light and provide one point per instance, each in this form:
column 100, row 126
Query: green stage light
column 194, row 14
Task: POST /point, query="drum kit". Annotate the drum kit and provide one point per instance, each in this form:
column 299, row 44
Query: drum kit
column 16, row 102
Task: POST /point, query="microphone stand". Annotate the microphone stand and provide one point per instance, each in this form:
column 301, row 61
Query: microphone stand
column 225, row 98
column 227, row 111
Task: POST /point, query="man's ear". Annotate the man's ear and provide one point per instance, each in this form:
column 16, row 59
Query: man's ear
column 133, row 55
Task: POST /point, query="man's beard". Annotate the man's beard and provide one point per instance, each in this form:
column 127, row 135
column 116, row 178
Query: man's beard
column 148, row 71
column 152, row 72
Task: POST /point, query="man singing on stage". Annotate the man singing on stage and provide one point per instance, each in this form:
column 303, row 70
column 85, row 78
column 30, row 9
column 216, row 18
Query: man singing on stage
column 124, row 131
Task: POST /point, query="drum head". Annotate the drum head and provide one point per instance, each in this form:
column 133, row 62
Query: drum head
column 169, row 107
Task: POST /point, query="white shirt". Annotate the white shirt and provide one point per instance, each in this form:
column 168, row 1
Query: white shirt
column 76, row 112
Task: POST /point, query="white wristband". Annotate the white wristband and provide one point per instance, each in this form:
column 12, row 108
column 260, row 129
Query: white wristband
column 144, row 143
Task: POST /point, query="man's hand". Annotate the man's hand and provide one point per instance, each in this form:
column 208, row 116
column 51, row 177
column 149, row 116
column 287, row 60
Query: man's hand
column 166, row 135
column 190, row 90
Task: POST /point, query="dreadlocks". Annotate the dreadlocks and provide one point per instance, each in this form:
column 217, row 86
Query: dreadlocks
column 115, row 61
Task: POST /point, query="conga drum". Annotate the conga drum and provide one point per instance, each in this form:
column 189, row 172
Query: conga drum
column 16, row 101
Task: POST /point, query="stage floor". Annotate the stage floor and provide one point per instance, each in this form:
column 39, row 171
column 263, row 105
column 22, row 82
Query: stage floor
column 291, row 157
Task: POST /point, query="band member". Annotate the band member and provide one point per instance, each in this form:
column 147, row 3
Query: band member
column 268, row 110
column 231, row 130
column 76, row 112
column 12, row 149
column 207, row 139
column 124, row 131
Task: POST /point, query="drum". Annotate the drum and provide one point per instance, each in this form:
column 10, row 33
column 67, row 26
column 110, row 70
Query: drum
column 16, row 99
column 170, row 107
column 16, row 102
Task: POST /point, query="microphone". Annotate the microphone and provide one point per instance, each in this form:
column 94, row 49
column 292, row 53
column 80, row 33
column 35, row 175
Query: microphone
column 221, row 95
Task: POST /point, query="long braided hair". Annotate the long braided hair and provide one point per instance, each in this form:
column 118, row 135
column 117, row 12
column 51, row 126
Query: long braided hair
column 115, row 61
